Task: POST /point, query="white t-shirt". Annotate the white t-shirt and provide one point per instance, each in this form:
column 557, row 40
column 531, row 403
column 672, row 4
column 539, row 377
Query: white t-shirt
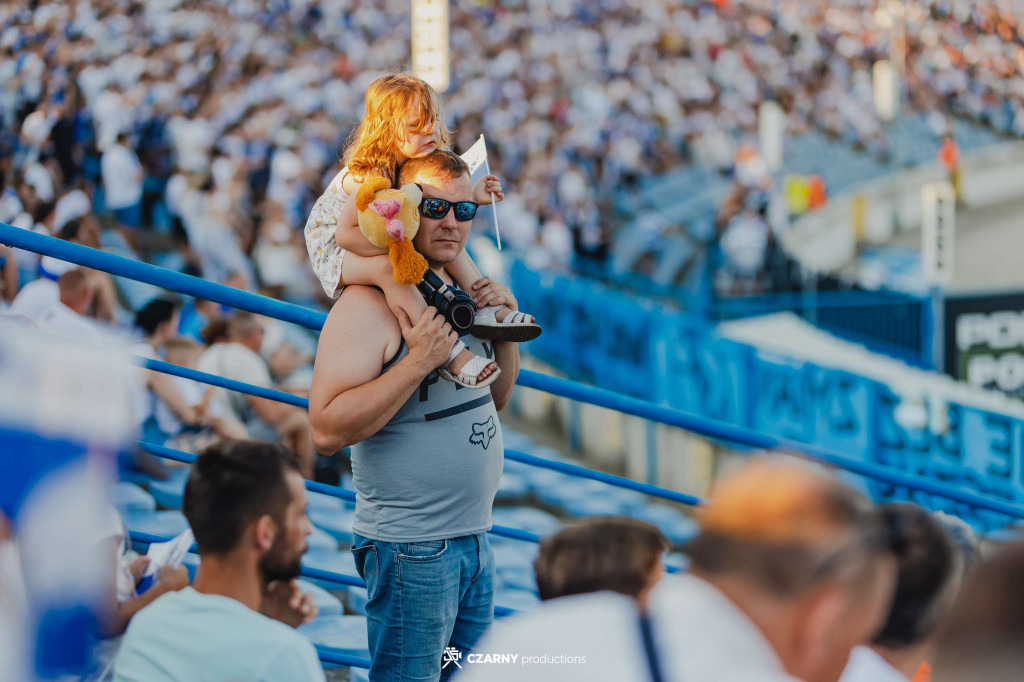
column 192, row 392
column 35, row 298
column 865, row 665
column 584, row 638
column 62, row 321
column 705, row 636
column 234, row 361
column 122, row 177
column 188, row 636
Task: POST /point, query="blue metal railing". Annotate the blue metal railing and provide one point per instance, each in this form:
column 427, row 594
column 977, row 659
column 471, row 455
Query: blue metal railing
column 704, row 426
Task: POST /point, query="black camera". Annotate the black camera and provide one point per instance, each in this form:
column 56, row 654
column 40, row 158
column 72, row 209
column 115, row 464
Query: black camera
column 455, row 304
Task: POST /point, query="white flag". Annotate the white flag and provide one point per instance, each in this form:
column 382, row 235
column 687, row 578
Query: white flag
column 476, row 158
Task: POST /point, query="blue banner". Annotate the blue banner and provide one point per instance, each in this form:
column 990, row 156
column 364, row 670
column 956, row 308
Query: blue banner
column 628, row 344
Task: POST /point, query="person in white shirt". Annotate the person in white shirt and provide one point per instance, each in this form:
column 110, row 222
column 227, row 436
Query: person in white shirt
column 239, row 359
column 237, row 620
column 66, row 318
column 930, row 568
column 791, row 570
column 122, row 182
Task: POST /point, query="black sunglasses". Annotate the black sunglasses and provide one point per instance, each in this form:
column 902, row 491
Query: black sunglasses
column 436, row 209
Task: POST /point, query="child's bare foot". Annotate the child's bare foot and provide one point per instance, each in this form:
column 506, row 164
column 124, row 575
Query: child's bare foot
column 468, row 369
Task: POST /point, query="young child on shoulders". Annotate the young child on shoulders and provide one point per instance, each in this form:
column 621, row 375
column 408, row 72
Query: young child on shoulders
column 403, row 121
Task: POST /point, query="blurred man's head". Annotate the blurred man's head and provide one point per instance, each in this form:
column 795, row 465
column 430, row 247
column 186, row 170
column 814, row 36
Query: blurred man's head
column 76, row 290
column 444, row 176
column 246, row 329
column 928, row 569
column 618, row 554
column 803, row 556
column 983, row 635
column 247, row 498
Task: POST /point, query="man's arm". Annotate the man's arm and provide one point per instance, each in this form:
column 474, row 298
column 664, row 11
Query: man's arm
column 350, row 400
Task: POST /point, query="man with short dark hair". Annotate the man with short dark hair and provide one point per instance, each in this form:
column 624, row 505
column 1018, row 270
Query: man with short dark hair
column 929, row 569
column 427, row 454
column 246, row 504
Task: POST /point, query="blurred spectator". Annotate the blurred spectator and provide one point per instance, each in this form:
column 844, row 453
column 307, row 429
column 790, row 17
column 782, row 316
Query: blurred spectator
column 158, row 322
column 791, row 570
column 929, row 570
column 122, row 182
column 981, row 640
column 239, row 359
column 618, row 554
column 66, row 317
column 212, row 423
column 246, row 504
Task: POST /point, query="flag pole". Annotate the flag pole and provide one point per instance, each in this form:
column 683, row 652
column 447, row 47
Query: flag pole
column 494, row 204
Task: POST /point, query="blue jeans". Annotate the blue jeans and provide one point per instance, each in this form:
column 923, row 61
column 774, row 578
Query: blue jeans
column 423, row 597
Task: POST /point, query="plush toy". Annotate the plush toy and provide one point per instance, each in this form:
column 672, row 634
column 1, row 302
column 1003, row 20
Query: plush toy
column 390, row 218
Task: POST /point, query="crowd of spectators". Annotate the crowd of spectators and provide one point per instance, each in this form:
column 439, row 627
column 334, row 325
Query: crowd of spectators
column 221, row 122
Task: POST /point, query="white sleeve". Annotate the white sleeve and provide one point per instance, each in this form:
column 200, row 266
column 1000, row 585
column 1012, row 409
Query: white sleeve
column 296, row 662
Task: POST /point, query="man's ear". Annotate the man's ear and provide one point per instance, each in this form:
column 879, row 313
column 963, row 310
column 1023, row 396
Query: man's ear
column 822, row 615
column 264, row 532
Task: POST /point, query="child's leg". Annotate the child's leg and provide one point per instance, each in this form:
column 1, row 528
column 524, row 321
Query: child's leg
column 376, row 271
column 464, row 271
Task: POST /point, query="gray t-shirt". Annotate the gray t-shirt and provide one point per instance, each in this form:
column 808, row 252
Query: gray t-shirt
column 431, row 473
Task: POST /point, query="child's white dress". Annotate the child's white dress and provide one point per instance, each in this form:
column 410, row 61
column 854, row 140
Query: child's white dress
column 324, row 253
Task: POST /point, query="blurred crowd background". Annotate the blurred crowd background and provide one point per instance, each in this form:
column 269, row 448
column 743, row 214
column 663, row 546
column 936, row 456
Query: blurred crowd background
column 235, row 113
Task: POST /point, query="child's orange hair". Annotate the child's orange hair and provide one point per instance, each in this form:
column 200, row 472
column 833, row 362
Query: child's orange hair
column 389, row 100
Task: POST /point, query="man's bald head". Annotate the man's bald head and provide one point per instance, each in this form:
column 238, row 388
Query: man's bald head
column 76, row 290
column 778, row 521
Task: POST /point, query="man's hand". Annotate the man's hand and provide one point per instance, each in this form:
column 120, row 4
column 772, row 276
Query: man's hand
column 284, row 601
column 430, row 340
column 138, row 567
column 172, row 578
column 487, row 292
column 484, row 187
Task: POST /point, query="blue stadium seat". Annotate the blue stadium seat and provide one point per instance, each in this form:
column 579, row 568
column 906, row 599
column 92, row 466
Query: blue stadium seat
column 526, row 518
column 165, row 523
column 340, row 634
column 168, row 494
column 322, row 541
column 520, row 600
column 335, row 562
column 337, row 522
column 677, row 527
column 129, row 497
column 513, row 563
column 324, row 502
column 512, row 488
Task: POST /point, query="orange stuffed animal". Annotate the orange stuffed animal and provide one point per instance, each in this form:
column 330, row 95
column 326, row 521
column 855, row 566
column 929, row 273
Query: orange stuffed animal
column 390, row 218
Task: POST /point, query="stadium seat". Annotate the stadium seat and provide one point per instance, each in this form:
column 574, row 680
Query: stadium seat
column 338, row 523
column 333, row 561
column 322, row 541
column 677, row 527
column 339, row 634
column 512, row 488
column 168, row 494
column 526, row 518
column 129, row 497
column 519, row 600
column 164, row 523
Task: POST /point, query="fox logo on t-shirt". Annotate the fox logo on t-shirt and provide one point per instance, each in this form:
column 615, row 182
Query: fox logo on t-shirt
column 483, row 433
